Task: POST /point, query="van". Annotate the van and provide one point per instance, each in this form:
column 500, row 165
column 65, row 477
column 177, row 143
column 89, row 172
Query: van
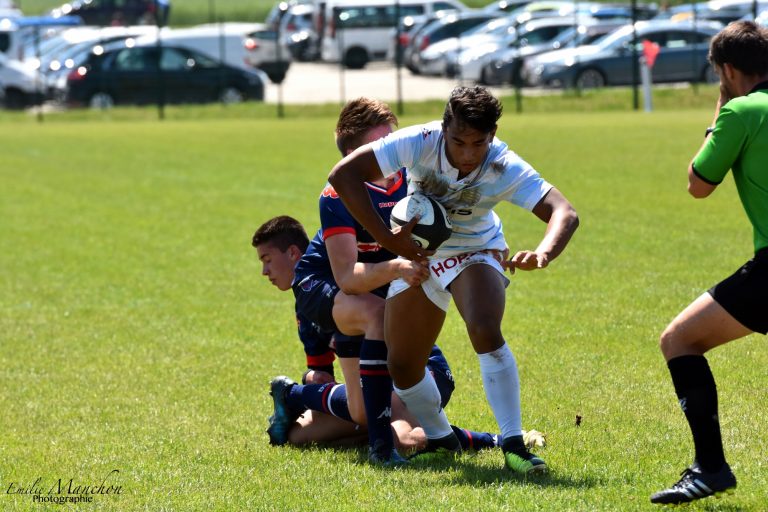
column 358, row 31
column 21, row 37
column 116, row 12
column 243, row 45
column 20, row 85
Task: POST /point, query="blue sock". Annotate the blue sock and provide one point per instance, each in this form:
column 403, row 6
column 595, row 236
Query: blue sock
column 471, row 440
column 329, row 398
column 377, row 394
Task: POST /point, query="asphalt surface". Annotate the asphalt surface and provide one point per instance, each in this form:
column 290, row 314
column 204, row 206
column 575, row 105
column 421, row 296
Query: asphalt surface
column 314, row 82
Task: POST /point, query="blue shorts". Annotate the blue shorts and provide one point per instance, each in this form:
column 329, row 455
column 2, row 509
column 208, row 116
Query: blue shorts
column 438, row 365
column 314, row 300
column 347, row 346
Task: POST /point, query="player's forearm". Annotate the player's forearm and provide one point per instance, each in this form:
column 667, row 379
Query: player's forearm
column 560, row 228
column 366, row 277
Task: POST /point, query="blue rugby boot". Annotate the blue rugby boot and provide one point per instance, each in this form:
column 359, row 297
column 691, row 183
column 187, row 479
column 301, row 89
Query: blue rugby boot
column 283, row 417
column 379, row 455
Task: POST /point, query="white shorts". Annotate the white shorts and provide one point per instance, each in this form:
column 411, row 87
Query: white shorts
column 443, row 271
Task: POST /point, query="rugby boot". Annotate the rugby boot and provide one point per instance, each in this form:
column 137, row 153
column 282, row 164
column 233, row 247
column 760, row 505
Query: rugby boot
column 440, row 448
column 283, row 417
column 696, row 484
column 517, row 458
column 380, row 455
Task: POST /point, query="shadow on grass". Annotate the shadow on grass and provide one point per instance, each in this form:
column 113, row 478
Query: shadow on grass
column 466, row 470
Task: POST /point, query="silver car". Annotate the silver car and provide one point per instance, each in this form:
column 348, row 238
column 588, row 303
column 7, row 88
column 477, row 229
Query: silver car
column 682, row 57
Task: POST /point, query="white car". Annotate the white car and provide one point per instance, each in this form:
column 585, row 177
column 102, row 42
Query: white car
column 21, row 85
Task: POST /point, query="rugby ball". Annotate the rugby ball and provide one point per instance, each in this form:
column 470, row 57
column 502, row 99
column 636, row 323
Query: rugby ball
column 434, row 225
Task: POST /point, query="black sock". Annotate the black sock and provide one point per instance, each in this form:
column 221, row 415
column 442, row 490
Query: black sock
column 697, row 394
column 377, row 394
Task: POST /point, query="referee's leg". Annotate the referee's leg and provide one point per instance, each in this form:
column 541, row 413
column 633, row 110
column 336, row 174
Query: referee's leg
column 700, row 327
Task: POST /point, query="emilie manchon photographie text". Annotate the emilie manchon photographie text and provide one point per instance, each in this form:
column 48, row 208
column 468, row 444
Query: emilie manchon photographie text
column 66, row 490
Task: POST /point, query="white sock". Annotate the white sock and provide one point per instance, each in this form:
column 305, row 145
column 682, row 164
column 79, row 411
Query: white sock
column 502, row 389
column 423, row 400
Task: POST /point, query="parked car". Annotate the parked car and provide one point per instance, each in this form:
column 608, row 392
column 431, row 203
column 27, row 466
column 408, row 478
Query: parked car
column 469, row 63
column 21, row 36
column 682, row 57
column 438, row 57
column 78, row 43
column 20, row 86
column 504, row 67
column 410, row 46
column 358, row 31
column 116, row 12
column 298, row 32
column 263, row 52
column 147, row 74
column 244, row 45
column 449, row 26
column 505, row 6
column 9, row 9
column 724, row 11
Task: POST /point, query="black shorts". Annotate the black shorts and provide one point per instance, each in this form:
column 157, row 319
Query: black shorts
column 314, row 300
column 744, row 295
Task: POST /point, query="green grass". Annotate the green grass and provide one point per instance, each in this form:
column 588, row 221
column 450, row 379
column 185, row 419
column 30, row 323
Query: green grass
column 137, row 334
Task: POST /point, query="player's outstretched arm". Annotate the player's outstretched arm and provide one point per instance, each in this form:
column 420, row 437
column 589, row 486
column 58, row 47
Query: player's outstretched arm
column 348, row 178
column 562, row 221
column 354, row 277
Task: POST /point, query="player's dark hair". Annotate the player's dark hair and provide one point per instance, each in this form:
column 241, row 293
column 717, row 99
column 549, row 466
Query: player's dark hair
column 356, row 118
column 282, row 232
column 473, row 106
column 743, row 45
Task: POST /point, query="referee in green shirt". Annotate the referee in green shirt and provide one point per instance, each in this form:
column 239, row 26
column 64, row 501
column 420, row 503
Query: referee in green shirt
column 737, row 306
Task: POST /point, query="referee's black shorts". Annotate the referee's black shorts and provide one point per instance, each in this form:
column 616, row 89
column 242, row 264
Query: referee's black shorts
column 744, row 295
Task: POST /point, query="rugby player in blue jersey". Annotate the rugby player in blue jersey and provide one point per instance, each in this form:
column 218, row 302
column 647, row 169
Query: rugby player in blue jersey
column 461, row 164
column 316, row 411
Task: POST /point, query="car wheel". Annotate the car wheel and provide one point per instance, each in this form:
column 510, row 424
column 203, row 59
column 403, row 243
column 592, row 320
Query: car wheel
column 15, row 99
column 709, row 76
column 230, row 95
column 590, row 78
column 101, row 100
column 356, row 58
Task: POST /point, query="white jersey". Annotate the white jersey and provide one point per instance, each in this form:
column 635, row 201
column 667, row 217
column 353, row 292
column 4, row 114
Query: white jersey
column 503, row 176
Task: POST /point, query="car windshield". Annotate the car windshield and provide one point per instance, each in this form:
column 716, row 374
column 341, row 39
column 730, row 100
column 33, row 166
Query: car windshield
column 615, row 38
column 496, row 26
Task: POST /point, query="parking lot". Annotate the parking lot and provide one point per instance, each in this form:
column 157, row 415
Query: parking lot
column 323, row 83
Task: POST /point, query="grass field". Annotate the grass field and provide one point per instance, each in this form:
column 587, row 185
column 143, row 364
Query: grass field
column 136, row 332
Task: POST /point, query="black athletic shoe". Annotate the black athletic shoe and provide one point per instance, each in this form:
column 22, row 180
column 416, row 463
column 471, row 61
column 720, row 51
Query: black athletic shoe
column 282, row 419
column 440, row 448
column 379, row 455
column 696, row 484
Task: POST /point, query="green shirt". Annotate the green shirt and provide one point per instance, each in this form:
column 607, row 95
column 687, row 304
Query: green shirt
column 740, row 142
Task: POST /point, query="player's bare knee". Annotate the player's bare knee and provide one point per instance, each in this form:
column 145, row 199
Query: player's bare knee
column 675, row 342
column 374, row 319
column 485, row 335
column 403, row 369
column 357, row 413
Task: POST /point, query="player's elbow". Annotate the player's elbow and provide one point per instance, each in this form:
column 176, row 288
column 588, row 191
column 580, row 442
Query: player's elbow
column 572, row 218
column 699, row 192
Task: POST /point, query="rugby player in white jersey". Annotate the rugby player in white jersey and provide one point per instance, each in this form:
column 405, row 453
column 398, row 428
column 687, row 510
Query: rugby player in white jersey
column 460, row 163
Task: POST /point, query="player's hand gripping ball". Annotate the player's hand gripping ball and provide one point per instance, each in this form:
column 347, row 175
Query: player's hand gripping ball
column 434, row 225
